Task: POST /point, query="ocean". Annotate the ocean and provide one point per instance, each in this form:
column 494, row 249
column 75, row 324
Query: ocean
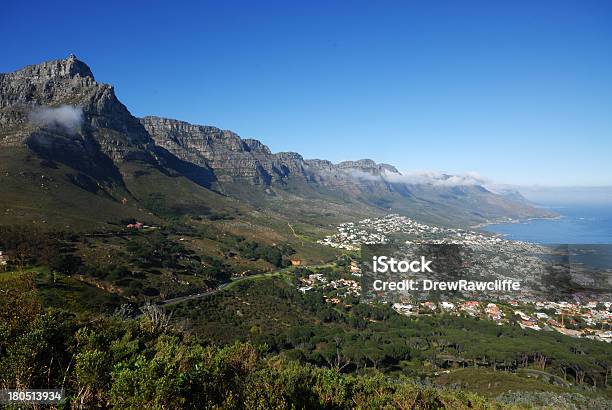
column 578, row 224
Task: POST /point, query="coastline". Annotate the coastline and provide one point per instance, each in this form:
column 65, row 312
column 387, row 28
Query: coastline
column 515, row 221
column 579, row 225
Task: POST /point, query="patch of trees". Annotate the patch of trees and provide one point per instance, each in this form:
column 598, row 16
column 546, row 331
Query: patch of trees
column 214, row 270
column 232, row 245
column 156, row 250
column 33, row 246
column 302, row 272
column 272, row 254
column 384, row 342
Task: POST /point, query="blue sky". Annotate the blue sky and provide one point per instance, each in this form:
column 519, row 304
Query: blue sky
column 518, row 91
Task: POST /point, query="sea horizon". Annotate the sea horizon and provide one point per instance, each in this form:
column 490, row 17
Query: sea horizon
column 577, row 224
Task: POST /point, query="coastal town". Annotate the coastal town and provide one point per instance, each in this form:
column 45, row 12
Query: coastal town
column 352, row 235
column 592, row 319
column 582, row 316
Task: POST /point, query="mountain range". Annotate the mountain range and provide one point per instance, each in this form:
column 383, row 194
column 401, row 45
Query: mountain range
column 72, row 155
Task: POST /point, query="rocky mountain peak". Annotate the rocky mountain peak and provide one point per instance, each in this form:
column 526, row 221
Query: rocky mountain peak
column 232, row 157
column 70, row 67
column 54, row 88
column 289, row 156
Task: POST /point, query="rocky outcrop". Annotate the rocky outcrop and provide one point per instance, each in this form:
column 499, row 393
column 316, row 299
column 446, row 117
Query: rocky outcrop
column 232, row 158
column 68, row 68
column 68, row 83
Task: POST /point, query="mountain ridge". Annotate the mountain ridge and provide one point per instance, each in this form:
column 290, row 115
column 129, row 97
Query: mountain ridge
column 118, row 154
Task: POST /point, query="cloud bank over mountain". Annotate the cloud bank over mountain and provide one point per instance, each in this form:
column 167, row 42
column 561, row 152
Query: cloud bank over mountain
column 434, row 178
column 437, row 178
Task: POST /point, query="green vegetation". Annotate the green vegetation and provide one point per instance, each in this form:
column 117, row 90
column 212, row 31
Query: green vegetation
column 271, row 254
column 146, row 363
column 69, row 317
column 39, row 192
column 158, row 263
column 356, row 338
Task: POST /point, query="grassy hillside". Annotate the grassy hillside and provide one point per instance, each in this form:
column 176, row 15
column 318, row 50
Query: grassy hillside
column 35, row 191
column 106, row 361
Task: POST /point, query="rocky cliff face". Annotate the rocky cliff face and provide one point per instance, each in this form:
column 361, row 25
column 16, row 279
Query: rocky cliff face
column 59, row 88
column 248, row 161
column 234, row 159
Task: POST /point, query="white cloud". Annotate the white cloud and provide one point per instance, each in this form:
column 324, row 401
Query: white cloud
column 64, row 118
column 435, row 178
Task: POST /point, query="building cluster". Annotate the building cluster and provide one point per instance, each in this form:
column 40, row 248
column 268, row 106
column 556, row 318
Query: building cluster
column 309, row 283
column 341, row 287
column 345, row 287
column 490, row 257
column 139, row 226
column 469, row 308
column 597, row 317
column 355, row 269
column 487, row 256
column 351, row 235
